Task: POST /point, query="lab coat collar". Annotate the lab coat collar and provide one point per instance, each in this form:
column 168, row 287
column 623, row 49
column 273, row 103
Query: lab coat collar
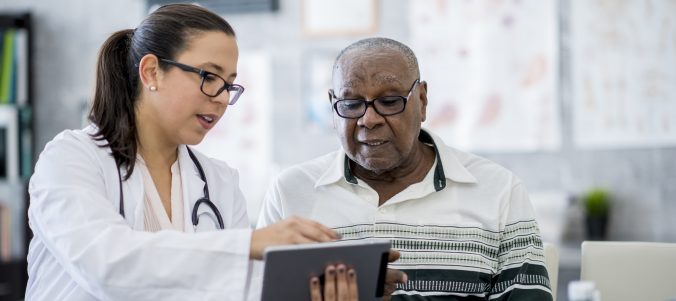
column 192, row 184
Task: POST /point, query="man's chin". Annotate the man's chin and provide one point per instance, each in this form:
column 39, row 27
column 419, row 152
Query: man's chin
column 376, row 166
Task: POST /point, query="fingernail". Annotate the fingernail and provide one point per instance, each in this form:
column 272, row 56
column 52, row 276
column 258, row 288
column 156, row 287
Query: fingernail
column 331, row 271
column 314, row 281
column 350, row 273
column 341, row 269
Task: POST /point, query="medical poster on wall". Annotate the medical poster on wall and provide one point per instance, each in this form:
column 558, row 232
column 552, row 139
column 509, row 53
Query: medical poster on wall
column 243, row 136
column 317, row 78
column 624, row 73
column 491, row 69
column 321, row 18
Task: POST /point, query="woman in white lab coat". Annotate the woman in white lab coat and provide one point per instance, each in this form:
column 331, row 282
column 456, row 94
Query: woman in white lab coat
column 124, row 209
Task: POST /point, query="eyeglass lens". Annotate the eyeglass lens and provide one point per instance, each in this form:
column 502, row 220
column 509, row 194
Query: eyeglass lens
column 384, row 106
column 213, row 86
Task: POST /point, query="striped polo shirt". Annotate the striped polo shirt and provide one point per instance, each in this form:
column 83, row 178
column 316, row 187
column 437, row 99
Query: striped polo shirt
column 465, row 232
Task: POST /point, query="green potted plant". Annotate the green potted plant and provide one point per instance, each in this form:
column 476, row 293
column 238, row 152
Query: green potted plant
column 596, row 202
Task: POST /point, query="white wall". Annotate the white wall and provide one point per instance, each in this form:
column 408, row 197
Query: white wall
column 69, row 32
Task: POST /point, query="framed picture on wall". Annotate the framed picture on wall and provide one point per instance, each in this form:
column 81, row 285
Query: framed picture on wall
column 339, row 17
column 9, row 147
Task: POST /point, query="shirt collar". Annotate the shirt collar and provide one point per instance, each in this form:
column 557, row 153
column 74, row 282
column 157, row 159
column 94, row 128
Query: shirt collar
column 451, row 168
column 337, row 171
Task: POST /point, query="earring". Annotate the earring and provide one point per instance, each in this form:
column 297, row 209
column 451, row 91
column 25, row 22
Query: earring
column 153, row 88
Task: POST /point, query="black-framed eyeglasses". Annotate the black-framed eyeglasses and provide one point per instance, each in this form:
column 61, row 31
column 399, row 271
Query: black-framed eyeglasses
column 385, row 105
column 212, row 84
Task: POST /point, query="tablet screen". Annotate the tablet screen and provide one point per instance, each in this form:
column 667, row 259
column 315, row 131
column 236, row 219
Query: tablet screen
column 288, row 269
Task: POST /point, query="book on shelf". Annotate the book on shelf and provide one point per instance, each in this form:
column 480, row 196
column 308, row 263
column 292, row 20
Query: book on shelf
column 13, row 66
column 25, row 141
column 5, row 233
column 12, row 221
column 9, row 155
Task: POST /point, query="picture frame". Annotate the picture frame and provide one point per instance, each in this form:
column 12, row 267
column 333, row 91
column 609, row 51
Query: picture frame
column 322, row 18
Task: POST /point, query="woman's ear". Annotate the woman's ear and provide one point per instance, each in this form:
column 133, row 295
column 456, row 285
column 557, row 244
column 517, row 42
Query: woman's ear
column 149, row 72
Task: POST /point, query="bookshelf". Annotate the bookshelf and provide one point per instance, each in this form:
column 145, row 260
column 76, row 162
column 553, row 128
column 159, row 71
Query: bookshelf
column 16, row 149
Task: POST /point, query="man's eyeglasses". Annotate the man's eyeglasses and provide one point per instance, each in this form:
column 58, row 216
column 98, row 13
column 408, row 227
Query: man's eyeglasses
column 385, row 105
column 212, row 84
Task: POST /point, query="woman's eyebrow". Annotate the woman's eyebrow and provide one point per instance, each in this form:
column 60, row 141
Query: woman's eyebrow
column 215, row 66
column 219, row 69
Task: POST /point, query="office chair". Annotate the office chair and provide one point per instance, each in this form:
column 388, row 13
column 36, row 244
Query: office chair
column 552, row 264
column 630, row 270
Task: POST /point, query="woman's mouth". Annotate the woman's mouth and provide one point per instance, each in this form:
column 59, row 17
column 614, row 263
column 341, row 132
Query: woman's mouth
column 207, row 121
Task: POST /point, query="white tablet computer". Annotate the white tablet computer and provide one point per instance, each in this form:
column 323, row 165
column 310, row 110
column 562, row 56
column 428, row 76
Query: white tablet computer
column 288, row 269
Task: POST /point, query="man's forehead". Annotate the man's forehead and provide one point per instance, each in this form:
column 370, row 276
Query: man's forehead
column 384, row 68
column 383, row 79
column 366, row 57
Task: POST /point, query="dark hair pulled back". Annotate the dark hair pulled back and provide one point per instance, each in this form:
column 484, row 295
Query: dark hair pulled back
column 165, row 33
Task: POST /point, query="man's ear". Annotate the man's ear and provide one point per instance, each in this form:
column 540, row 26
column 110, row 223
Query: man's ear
column 333, row 116
column 422, row 95
column 148, row 70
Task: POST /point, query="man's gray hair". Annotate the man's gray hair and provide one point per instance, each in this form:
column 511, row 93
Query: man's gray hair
column 371, row 44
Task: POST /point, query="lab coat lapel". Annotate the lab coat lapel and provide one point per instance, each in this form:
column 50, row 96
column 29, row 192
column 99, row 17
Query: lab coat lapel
column 134, row 198
column 192, row 184
column 132, row 188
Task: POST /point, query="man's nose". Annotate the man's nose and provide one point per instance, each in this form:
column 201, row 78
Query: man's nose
column 371, row 118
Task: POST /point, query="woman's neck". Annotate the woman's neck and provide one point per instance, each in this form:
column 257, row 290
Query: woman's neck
column 158, row 157
column 157, row 151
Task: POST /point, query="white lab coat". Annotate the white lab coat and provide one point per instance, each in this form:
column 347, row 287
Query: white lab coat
column 83, row 249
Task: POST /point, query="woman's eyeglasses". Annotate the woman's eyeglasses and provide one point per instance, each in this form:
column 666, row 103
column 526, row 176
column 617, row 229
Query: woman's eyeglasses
column 212, row 84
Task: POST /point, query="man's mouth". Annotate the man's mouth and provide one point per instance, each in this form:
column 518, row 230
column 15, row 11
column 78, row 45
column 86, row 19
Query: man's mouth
column 374, row 142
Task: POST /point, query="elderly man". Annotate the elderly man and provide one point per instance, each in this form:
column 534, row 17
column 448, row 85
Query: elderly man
column 463, row 224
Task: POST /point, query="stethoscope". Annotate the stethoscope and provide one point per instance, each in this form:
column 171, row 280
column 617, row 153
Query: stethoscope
column 215, row 215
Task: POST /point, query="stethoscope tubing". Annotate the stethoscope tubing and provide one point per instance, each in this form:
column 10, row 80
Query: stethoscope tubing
column 203, row 200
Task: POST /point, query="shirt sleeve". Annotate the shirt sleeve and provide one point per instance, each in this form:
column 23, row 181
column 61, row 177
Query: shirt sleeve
column 521, row 273
column 239, row 214
column 271, row 210
column 271, row 213
column 71, row 215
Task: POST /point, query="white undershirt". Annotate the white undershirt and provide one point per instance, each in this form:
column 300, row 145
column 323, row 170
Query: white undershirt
column 154, row 215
